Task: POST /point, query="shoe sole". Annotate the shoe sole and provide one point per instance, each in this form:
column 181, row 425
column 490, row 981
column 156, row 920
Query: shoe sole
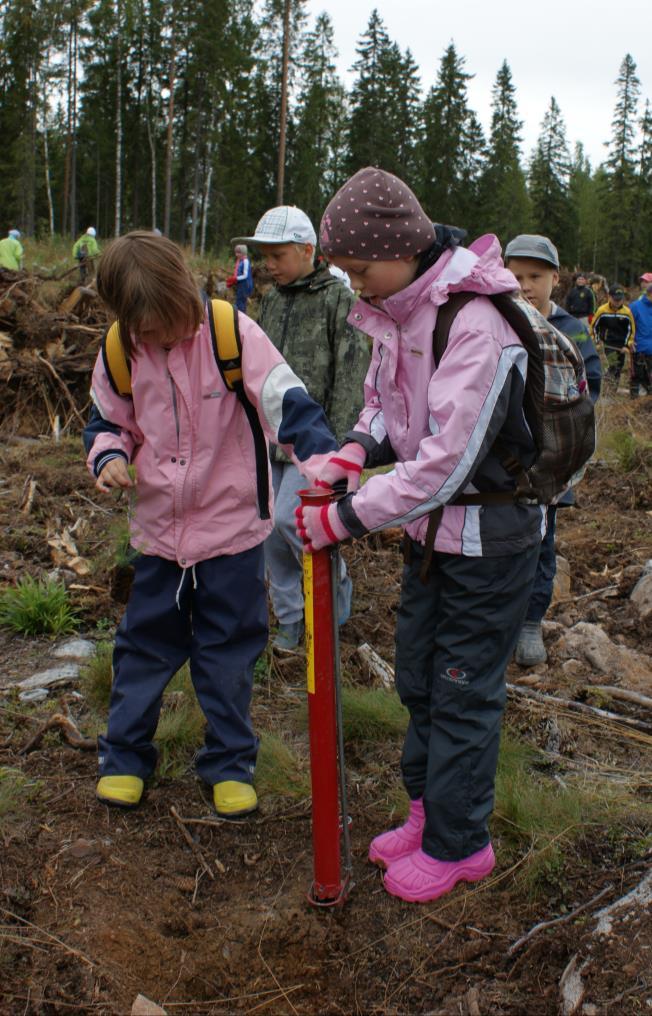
column 426, row 896
column 236, row 814
column 118, row 804
column 383, row 863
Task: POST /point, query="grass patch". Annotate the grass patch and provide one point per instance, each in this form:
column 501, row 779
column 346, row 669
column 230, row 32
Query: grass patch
column 279, row 772
column 372, row 714
column 14, row 788
column 549, row 817
column 95, row 677
column 34, row 607
column 629, row 452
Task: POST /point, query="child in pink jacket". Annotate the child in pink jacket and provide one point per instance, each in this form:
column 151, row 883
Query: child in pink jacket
column 463, row 597
column 203, row 509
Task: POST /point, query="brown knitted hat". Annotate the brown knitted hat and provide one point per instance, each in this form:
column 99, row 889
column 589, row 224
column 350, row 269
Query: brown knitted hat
column 375, row 217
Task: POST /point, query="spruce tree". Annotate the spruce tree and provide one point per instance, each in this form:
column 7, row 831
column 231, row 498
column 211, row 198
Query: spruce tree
column 504, row 195
column 552, row 212
column 451, row 145
column 621, row 174
column 317, row 117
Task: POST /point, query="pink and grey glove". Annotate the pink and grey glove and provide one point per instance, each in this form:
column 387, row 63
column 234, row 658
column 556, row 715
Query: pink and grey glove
column 318, row 526
column 328, row 470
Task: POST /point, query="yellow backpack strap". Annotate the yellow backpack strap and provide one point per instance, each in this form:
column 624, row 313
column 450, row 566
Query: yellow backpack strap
column 226, row 342
column 116, row 364
column 227, row 348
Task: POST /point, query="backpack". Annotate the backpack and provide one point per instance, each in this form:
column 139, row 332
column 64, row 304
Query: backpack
column 227, row 349
column 556, row 404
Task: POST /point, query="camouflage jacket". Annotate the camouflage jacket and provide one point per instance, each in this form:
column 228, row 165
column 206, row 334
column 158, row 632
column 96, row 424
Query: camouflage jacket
column 307, row 323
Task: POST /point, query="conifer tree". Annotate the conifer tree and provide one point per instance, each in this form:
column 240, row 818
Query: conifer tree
column 451, row 145
column 621, row 170
column 317, row 119
column 552, row 212
column 504, row 195
column 375, row 137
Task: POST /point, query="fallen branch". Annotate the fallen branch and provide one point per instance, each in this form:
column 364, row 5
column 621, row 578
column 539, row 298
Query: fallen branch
column 577, row 707
column 571, row 987
column 64, row 386
column 69, row 731
column 194, row 846
column 542, row 925
column 624, row 694
column 376, row 665
column 640, row 895
column 585, row 596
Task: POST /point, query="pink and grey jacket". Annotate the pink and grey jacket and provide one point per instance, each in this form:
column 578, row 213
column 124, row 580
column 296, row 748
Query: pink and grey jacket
column 192, row 445
column 438, row 425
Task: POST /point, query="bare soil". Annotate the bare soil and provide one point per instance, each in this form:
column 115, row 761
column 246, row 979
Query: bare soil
column 99, row 905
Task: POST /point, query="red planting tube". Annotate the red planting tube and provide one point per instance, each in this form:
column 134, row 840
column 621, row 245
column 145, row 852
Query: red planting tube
column 327, row 888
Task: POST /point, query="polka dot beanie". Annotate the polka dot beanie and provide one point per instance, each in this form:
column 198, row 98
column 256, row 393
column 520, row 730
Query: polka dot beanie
column 375, row 217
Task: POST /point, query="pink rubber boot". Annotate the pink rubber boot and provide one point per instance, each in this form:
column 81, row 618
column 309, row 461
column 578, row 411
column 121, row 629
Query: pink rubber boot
column 397, row 843
column 418, row 877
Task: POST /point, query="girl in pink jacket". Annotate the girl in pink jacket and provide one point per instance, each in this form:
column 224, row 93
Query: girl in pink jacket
column 463, row 598
column 203, row 509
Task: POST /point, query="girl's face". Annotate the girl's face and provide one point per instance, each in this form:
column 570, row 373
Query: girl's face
column 156, row 333
column 377, row 280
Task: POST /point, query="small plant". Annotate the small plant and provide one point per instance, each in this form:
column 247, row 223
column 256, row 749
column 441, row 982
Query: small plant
column 371, row 714
column 548, row 816
column 180, row 730
column 630, row 452
column 279, row 772
column 14, row 787
column 34, row 607
column 96, row 677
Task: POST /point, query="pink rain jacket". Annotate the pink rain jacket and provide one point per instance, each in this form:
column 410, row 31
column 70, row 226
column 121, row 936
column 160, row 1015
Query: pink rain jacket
column 191, row 443
column 439, row 425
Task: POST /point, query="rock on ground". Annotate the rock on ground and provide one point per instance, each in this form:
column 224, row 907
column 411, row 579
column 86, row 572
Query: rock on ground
column 589, row 642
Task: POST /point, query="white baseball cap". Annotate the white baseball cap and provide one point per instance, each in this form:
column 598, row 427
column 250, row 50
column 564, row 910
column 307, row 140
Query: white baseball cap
column 285, row 224
column 91, row 231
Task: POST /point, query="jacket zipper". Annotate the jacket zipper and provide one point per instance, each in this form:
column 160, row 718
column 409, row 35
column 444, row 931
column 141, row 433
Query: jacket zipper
column 175, row 407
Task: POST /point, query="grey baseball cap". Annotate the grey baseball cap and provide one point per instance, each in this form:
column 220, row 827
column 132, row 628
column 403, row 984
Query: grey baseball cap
column 284, row 224
column 531, row 245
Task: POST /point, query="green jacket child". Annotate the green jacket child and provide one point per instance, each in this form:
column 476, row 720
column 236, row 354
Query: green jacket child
column 86, row 247
column 305, row 315
column 11, row 252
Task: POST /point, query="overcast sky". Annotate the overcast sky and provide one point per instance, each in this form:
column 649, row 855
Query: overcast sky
column 567, row 49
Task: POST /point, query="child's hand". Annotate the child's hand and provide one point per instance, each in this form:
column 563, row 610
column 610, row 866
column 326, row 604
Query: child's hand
column 318, row 526
column 114, row 474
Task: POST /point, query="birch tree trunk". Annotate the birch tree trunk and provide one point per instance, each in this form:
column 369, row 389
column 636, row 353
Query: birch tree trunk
column 169, row 144
column 280, row 179
column 118, row 124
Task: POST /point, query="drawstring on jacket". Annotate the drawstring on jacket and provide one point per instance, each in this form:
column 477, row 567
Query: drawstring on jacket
column 183, row 575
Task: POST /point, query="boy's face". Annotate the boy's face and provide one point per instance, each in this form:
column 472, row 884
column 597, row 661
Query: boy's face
column 580, row 281
column 377, row 280
column 537, row 280
column 156, row 333
column 287, row 262
column 615, row 302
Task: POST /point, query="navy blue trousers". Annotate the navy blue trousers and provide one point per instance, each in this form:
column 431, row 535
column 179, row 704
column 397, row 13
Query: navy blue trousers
column 454, row 638
column 545, row 574
column 221, row 627
column 241, row 296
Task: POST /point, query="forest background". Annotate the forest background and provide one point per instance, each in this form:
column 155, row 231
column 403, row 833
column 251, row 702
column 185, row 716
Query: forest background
column 143, row 113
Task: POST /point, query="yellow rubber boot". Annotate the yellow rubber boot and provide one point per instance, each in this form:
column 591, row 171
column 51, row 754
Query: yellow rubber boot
column 232, row 799
column 123, row 791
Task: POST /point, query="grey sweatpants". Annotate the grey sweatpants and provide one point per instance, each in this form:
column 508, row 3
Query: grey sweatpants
column 284, row 551
column 454, row 638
